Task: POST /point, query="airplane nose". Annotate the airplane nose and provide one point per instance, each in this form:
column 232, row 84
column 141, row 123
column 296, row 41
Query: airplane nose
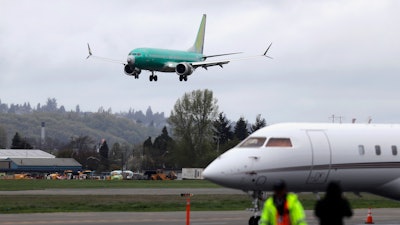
column 208, row 173
column 219, row 171
column 130, row 60
column 213, row 172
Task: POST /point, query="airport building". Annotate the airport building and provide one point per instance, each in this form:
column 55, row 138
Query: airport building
column 34, row 161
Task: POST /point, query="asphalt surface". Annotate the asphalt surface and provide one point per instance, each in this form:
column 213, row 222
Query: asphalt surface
column 380, row 216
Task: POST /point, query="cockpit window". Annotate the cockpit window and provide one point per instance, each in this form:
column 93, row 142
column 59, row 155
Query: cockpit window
column 279, row 142
column 253, row 142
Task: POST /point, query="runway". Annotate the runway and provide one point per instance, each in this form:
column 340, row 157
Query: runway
column 380, row 216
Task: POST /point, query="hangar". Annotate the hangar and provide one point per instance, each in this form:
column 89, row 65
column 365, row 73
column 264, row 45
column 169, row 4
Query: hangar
column 34, row 160
column 24, row 153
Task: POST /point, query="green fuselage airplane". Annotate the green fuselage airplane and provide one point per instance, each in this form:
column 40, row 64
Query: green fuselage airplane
column 182, row 63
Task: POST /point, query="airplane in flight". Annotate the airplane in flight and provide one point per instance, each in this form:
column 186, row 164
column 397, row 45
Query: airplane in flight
column 183, row 63
column 362, row 157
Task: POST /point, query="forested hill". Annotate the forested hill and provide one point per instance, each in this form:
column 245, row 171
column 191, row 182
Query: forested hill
column 61, row 126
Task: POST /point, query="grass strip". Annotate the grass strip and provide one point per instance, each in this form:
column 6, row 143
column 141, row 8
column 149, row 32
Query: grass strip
column 17, row 185
column 119, row 203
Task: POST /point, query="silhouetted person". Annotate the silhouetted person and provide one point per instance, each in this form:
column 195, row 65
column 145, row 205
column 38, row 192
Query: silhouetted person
column 333, row 207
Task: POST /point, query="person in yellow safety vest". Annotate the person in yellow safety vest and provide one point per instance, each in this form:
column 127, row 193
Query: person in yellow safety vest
column 282, row 208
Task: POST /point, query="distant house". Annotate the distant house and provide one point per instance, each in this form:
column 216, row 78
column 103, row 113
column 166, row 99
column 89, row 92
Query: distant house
column 22, row 161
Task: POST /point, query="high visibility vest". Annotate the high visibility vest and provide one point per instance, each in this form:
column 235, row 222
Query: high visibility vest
column 294, row 212
column 285, row 218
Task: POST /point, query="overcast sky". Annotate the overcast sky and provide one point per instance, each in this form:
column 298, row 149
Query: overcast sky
column 329, row 57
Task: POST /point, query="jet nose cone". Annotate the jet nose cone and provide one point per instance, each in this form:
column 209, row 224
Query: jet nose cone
column 219, row 172
column 207, row 173
column 130, row 60
column 211, row 172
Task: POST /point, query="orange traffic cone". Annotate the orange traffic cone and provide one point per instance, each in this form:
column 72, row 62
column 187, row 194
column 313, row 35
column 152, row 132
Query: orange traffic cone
column 369, row 217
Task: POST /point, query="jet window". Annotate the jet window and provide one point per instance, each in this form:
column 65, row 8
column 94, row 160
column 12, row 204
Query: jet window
column 361, row 150
column 377, row 150
column 279, row 142
column 394, row 149
column 253, row 142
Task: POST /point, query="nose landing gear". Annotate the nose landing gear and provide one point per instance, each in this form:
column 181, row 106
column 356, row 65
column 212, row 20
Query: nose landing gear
column 258, row 198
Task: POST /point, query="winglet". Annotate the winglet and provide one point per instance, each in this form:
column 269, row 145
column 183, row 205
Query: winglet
column 265, row 53
column 90, row 51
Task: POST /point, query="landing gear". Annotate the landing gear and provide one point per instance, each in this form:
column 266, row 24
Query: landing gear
column 254, row 220
column 153, row 77
column 136, row 76
column 258, row 197
column 182, row 77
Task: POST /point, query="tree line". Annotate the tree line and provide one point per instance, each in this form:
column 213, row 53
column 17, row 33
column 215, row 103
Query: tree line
column 147, row 118
column 195, row 133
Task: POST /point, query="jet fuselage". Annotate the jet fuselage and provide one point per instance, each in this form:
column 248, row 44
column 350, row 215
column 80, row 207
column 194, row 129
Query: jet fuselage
column 362, row 157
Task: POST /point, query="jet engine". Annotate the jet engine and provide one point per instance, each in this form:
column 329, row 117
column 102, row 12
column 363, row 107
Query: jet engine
column 184, row 69
column 132, row 72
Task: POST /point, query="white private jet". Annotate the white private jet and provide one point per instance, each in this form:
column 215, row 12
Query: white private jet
column 362, row 157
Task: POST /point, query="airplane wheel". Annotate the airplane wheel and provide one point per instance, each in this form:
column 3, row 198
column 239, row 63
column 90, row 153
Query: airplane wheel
column 155, row 78
column 185, row 78
column 254, row 220
column 151, row 78
column 180, row 78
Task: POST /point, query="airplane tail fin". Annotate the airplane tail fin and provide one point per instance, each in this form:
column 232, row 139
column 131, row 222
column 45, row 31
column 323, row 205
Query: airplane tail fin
column 199, row 43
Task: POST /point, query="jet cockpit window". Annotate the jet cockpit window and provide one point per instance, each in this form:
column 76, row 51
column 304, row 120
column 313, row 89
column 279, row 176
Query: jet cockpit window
column 253, row 142
column 279, row 142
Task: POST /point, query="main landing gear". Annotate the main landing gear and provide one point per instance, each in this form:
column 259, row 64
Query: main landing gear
column 258, row 197
column 153, row 77
column 182, row 77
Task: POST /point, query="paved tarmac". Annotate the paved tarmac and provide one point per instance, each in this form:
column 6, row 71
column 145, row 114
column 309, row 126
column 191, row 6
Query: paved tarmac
column 380, row 216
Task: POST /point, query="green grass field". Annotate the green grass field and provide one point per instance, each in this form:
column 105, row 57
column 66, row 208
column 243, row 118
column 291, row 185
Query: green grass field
column 16, row 185
column 141, row 203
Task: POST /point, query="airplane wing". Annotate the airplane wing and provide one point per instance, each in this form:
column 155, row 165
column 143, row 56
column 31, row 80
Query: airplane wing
column 210, row 56
column 103, row 58
column 206, row 64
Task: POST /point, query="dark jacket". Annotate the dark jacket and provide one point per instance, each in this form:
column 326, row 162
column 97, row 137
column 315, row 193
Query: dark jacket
column 333, row 208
